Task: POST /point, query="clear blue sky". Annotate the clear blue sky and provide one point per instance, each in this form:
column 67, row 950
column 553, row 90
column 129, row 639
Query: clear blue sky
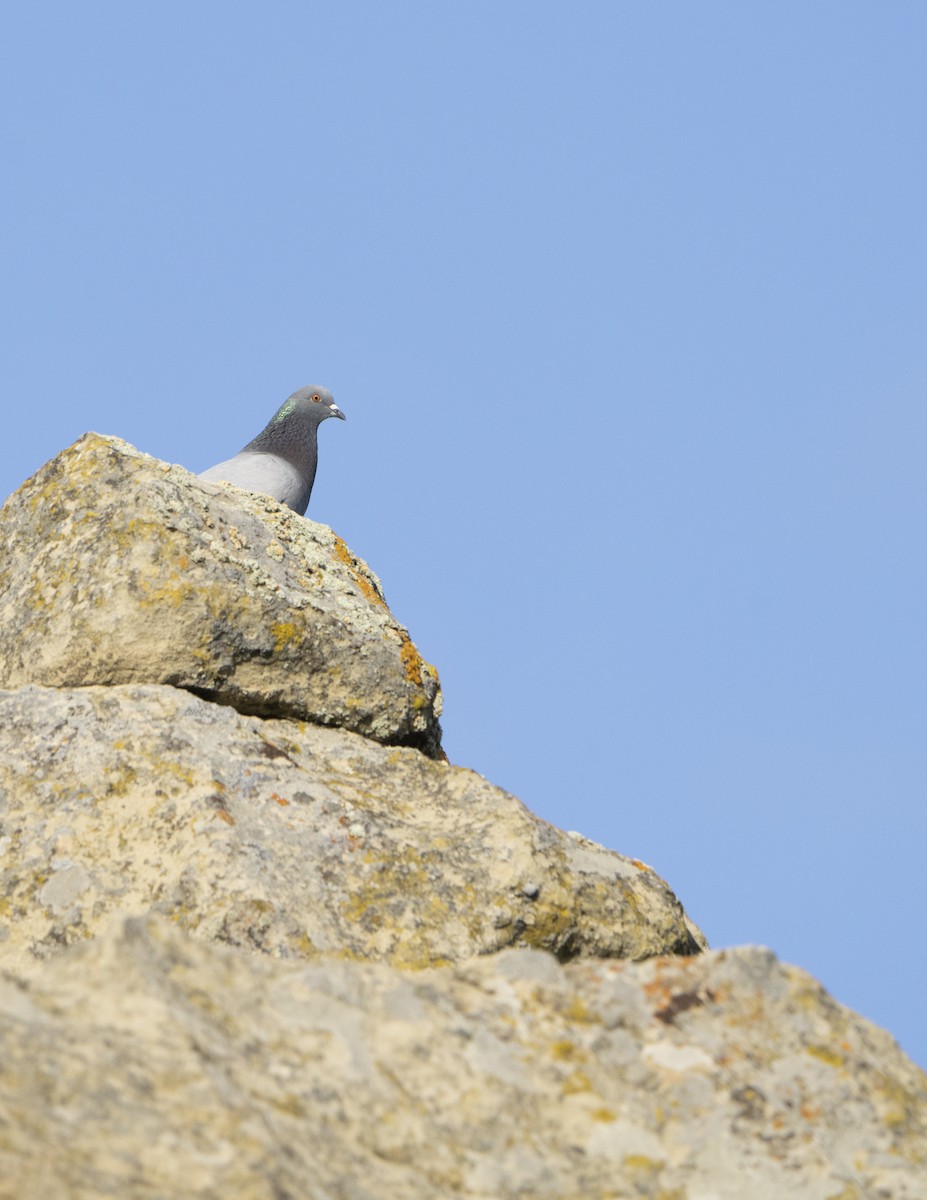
column 625, row 303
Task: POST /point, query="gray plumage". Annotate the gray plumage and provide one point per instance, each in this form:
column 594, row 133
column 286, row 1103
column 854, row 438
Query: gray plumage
column 282, row 459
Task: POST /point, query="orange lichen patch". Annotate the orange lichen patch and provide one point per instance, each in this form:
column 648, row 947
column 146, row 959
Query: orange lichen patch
column 225, row 816
column 679, row 1003
column 641, row 866
column 280, row 799
column 577, row 1010
column 658, row 991
column 670, row 994
column 826, row 1055
column 567, row 1051
column 284, row 632
column 667, row 971
column 366, row 587
column 411, row 660
column 578, row 1081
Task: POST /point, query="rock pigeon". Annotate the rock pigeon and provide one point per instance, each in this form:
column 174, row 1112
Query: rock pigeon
column 281, row 460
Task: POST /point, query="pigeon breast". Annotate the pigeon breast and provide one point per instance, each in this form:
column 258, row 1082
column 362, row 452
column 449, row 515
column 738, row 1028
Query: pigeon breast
column 267, row 473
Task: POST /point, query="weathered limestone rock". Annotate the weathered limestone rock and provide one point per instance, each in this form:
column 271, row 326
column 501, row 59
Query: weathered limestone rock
column 146, row 1065
column 289, row 838
column 117, row 568
column 214, row 729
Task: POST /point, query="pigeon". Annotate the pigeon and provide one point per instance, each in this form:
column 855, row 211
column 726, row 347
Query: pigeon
column 281, row 460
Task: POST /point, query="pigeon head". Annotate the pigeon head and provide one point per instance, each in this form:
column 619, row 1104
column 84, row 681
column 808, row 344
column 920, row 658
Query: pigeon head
column 291, row 431
column 313, row 402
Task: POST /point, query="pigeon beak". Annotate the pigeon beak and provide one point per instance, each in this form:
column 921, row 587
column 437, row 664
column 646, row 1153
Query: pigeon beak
column 336, row 412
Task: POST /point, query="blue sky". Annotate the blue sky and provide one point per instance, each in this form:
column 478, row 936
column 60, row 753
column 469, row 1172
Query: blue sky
column 625, row 304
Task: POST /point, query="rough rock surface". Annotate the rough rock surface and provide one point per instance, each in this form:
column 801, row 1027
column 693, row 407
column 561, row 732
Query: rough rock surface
column 215, row 732
column 289, row 838
column 117, row 568
column 145, row 1064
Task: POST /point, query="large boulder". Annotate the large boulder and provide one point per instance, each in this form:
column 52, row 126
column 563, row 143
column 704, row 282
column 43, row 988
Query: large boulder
column 145, row 1064
column 117, row 568
column 289, row 838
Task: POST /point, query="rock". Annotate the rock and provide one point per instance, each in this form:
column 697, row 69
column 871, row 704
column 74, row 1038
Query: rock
column 146, row 1064
column 220, row 790
column 291, row 839
column 117, row 568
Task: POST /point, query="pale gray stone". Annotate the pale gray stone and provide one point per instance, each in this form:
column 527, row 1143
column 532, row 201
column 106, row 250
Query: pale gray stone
column 291, row 839
column 146, row 1064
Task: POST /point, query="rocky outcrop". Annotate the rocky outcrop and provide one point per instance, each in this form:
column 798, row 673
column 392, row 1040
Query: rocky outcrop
column 145, row 1064
column 117, row 568
column 290, row 838
column 222, row 789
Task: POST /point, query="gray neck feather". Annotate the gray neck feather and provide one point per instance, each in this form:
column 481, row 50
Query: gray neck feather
column 293, row 435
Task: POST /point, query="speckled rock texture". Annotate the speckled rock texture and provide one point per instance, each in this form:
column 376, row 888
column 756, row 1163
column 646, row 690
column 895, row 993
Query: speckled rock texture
column 257, row 940
column 291, row 839
column 146, row 1064
column 118, row 568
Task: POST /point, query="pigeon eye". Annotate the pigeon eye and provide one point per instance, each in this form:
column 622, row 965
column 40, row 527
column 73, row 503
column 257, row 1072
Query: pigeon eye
column 317, row 397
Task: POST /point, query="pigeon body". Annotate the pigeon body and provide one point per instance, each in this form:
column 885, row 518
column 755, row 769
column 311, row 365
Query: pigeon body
column 282, row 459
